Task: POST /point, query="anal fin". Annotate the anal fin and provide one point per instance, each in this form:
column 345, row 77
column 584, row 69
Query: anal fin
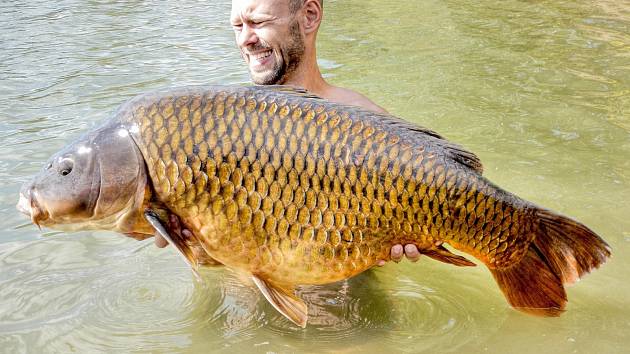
column 182, row 249
column 283, row 300
column 441, row 254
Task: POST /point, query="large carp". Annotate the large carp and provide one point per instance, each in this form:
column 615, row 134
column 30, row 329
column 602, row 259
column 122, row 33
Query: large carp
column 293, row 189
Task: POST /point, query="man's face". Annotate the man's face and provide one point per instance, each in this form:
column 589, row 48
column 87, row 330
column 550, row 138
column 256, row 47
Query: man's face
column 269, row 38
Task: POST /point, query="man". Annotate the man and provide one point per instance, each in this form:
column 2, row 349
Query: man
column 277, row 41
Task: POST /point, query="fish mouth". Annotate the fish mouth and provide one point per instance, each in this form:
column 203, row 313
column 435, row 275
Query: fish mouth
column 24, row 205
column 29, row 206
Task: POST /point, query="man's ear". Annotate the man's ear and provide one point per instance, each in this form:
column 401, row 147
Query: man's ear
column 312, row 12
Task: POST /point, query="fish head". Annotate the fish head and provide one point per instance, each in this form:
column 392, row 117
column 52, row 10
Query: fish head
column 99, row 182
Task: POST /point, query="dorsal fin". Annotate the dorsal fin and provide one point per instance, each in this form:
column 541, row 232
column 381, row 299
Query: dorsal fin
column 454, row 151
column 467, row 158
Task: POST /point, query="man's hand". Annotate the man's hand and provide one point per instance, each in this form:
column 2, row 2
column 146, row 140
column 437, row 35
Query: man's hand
column 199, row 254
column 160, row 242
column 173, row 226
column 397, row 251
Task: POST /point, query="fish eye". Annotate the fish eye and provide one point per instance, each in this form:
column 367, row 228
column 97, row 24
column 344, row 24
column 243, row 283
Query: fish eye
column 65, row 167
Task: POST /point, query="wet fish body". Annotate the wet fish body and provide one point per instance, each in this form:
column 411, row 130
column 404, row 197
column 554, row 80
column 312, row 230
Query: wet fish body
column 295, row 190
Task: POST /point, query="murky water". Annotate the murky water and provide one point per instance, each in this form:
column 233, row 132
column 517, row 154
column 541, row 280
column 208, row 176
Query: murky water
column 539, row 90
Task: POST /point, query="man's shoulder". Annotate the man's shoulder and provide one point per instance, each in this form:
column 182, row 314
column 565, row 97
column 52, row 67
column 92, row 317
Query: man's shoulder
column 353, row 98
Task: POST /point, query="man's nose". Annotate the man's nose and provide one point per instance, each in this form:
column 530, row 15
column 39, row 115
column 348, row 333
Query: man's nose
column 246, row 36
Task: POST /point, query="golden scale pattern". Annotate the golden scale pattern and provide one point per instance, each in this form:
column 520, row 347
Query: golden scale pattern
column 305, row 190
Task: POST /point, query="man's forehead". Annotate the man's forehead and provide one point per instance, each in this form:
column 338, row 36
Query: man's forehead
column 269, row 7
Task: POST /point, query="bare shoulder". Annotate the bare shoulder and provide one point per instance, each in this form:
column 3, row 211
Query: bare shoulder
column 353, row 98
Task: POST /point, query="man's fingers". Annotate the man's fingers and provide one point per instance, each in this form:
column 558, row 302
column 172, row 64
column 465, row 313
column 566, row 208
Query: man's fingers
column 411, row 252
column 173, row 224
column 396, row 253
column 175, row 228
column 160, row 242
column 187, row 234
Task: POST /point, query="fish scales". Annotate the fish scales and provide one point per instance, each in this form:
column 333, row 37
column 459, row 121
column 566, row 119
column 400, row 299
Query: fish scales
column 360, row 185
column 292, row 189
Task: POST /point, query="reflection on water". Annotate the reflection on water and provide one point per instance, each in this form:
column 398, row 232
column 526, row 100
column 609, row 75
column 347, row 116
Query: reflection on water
column 539, row 90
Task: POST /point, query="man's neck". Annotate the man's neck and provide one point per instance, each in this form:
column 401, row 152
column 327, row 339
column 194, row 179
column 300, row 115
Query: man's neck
column 308, row 76
column 313, row 82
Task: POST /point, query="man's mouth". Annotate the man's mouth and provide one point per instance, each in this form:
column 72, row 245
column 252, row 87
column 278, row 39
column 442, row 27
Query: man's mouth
column 260, row 58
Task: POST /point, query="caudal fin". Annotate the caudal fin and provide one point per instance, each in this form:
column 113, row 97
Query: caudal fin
column 561, row 253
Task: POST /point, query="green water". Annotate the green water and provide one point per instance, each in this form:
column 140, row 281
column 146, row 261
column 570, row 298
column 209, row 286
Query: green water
column 540, row 90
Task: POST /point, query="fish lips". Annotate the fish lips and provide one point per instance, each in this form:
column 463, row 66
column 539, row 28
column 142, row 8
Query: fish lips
column 28, row 205
column 24, row 205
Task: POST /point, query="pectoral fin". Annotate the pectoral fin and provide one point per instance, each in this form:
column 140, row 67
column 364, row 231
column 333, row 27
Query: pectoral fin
column 441, row 254
column 283, row 300
column 182, row 249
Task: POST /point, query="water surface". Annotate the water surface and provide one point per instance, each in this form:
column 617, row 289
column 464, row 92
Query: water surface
column 539, row 90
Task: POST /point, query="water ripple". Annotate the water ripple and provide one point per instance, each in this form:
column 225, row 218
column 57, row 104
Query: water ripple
column 532, row 87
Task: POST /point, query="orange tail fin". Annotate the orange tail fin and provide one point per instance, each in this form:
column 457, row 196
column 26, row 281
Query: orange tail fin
column 562, row 251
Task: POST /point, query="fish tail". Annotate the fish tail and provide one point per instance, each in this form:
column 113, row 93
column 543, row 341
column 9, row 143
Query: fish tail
column 562, row 251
